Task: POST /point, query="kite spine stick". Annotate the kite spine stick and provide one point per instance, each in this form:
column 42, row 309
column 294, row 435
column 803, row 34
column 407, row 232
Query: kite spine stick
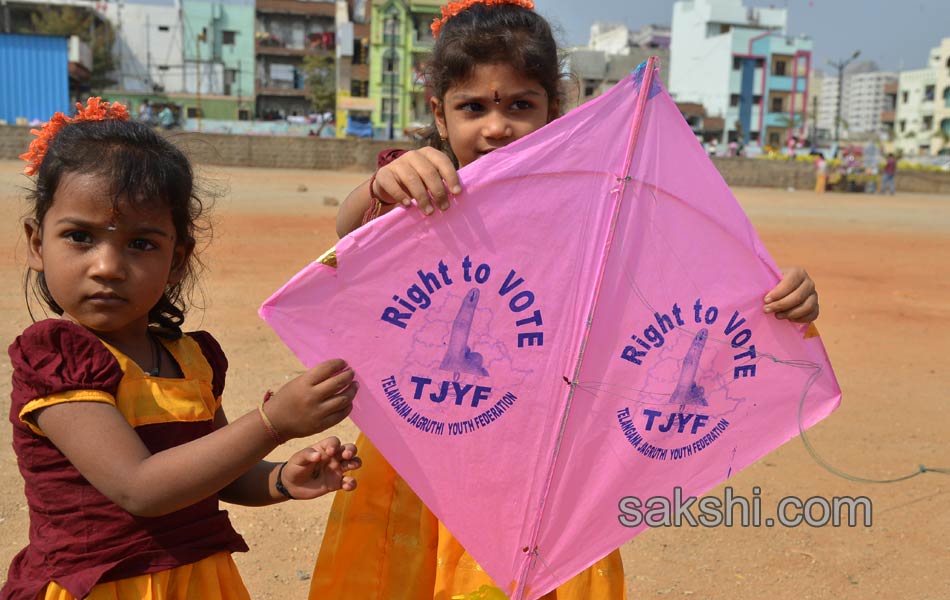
column 533, row 555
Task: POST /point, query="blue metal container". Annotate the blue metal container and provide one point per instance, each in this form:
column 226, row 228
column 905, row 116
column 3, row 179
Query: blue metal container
column 34, row 77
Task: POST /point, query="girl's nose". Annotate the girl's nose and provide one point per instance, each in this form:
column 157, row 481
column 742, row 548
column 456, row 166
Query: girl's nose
column 108, row 262
column 496, row 126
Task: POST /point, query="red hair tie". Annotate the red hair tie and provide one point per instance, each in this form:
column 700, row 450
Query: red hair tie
column 95, row 110
column 453, row 8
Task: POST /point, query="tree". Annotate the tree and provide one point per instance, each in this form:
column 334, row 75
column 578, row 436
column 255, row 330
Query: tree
column 320, row 80
column 99, row 35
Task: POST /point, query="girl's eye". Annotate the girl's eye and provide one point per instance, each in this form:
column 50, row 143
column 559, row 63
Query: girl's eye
column 78, row 237
column 471, row 107
column 522, row 105
column 142, row 244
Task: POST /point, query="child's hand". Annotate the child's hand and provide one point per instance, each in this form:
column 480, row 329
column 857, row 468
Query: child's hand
column 314, row 401
column 320, row 469
column 426, row 174
column 794, row 298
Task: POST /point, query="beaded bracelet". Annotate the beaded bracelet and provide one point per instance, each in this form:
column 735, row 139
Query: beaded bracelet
column 268, row 424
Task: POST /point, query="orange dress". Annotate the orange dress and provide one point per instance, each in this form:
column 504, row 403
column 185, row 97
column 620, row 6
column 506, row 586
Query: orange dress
column 382, row 543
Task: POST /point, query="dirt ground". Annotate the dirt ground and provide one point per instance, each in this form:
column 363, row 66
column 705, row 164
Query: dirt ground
column 882, row 265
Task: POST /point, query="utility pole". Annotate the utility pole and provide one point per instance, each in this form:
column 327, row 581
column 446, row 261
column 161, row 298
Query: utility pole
column 840, row 66
column 198, row 41
column 394, row 29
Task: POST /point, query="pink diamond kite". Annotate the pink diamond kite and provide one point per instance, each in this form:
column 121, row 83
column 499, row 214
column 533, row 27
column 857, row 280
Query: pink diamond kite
column 583, row 326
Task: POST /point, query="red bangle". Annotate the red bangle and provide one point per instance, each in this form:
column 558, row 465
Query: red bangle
column 373, row 196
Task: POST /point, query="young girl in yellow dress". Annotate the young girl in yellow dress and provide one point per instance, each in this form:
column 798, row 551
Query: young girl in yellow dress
column 495, row 77
column 117, row 415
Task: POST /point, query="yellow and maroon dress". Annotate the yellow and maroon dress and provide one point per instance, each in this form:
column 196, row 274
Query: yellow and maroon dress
column 83, row 545
column 382, row 543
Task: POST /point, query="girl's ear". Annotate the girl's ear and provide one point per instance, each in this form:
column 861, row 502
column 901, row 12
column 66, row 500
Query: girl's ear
column 180, row 258
column 34, row 245
column 554, row 108
column 438, row 111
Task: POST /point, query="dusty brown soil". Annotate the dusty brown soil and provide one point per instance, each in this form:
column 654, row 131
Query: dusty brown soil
column 883, row 269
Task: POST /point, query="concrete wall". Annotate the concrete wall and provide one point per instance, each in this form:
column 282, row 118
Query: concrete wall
column 360, row 155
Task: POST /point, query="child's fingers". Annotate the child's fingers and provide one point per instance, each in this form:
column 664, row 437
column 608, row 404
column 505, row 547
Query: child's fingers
column 792, row 278
column 348, row 451
column 348, row 484
column 335, row 417
column 412, row 182
column 432, row 180
column 329, row 369
column 352, row 465
column 792, row 299
column 388, row 188
column 806, row 312
column 447, row 170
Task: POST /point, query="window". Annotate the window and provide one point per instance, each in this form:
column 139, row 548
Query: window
column 163, row 27
column 359, row 89
column 927, row 123
column 194, row 112
column 736, row 63
column 390, row 108
column 946, row 96
column 244, row 114
column 390, row 61
column 774, row 140
column 588, row 91
column 929, row 93
column 228, row 37
column 904, row 97
column 756, row 99
column 778, row 67
column 903, row 125
column 360, row 51
column 162, row 67
column 777, row 104
column 734, row 100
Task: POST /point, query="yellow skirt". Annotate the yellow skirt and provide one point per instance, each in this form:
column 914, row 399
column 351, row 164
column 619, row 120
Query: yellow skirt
column 382, row 543
column 213, row 578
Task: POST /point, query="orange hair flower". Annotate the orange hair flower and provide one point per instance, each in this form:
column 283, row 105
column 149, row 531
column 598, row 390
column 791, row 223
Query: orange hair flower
column 453, row 8
column 95, row 110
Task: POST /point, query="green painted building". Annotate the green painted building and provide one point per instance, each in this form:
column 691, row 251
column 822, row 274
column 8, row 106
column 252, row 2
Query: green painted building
column 400, row 44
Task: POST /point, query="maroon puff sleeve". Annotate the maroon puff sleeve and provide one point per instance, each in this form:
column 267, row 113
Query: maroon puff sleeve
column 215, row 357
column 55, row 356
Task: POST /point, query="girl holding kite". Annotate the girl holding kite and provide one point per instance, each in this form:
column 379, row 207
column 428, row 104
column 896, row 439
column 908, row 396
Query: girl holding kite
column 118, row 425
column 495, row 77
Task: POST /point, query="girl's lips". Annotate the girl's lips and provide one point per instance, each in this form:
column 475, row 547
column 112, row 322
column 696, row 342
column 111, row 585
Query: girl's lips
column 106, row 297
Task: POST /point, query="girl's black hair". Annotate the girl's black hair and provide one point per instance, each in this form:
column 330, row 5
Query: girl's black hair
column 498, row 34
column 145, row 170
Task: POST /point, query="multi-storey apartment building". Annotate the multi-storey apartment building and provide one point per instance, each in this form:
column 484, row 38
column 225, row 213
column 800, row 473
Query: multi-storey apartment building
column 739, row 64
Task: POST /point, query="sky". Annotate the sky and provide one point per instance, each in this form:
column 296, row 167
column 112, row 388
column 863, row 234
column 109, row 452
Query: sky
column 896, row 34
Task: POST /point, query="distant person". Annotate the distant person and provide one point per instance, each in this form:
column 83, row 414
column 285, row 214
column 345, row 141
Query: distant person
column 166, row 118
column 119, row 425
column 821, row 174
column 890, row 170
column 145, row 112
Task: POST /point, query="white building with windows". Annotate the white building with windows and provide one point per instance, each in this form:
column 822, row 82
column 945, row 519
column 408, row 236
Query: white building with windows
column 740, row 64
column 922, row 121
column 914, row 124
column 940, row 62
